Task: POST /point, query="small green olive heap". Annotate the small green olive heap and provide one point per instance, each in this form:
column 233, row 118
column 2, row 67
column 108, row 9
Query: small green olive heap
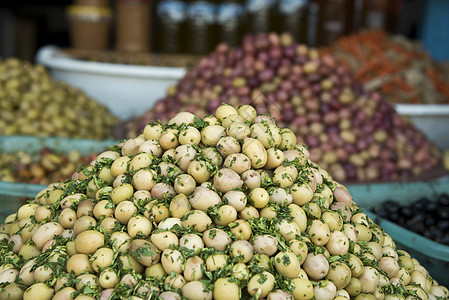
column 40, row 168
column 225, row 207
column 32, row 103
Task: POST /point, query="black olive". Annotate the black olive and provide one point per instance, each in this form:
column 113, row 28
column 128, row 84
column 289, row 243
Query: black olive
column 443, row 225
column 443, row 213
column 438, row 235
column 425, row 217
column 380, row 211
column 394, row 216
column 419, row 217
column 431, row 207
column 391, row 206
column 429, row 221
column 407, row 212
column 421, row 204
column 443, row 199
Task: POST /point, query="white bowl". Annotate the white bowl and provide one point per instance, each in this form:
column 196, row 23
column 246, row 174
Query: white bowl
column 431, row 119
column 127, row 90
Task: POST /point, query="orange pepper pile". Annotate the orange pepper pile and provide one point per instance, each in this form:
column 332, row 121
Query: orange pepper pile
column 401, row 69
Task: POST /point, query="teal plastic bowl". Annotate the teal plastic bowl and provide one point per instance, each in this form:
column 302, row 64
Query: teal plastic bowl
column 433, row 256
column 14, row 194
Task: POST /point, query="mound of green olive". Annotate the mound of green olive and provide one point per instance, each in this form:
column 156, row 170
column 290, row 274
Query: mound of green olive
column 225, row 207
column 32, row 103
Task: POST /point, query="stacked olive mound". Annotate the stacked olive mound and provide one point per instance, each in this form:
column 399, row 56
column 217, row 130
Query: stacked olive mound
column 352, row 132
column 31, row 103
column 225, row 207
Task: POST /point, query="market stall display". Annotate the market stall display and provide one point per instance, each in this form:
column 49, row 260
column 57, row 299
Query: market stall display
column 189, row 209
column 32, row 103
column 351, row 131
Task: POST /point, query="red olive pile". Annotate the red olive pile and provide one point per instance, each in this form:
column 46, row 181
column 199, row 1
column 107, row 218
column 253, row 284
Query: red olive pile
column 352, row 132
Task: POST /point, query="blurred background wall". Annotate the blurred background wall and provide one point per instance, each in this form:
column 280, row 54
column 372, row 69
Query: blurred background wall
column 27, row 25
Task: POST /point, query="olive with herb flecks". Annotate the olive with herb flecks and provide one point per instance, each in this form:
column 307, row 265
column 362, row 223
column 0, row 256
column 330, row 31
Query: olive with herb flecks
column 184, row 236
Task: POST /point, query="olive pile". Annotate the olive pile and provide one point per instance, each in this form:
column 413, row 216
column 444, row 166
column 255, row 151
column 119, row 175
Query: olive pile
column 352, row 132
column 226, row 207
column 425, row 217
column 45, row 167
column 31, row 103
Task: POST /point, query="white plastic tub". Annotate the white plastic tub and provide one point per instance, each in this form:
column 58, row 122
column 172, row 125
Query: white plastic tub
column 431, row 119
column 128, row 90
